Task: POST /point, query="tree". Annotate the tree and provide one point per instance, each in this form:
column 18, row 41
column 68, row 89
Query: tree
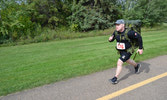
column 150, row 12
column 15, row 21
column 93, row 14
column 49, row 13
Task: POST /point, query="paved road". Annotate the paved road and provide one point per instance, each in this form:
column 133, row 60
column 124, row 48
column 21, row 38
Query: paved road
column 96, row 85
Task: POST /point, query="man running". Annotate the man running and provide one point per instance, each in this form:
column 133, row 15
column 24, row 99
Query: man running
column 124, row 47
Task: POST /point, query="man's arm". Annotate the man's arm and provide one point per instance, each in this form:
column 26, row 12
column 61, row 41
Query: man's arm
column 135, row 35
column 140, row 41
column 111, row 38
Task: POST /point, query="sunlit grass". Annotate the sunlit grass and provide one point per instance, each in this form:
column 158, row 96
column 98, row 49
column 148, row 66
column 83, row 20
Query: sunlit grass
column 27, row 66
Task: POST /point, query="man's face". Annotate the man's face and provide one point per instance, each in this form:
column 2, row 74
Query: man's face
column 120, row 27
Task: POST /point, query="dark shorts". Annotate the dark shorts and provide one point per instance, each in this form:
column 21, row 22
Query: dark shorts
column 124, row 56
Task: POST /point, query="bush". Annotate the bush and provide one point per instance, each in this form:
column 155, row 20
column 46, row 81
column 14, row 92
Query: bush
column 93, row 15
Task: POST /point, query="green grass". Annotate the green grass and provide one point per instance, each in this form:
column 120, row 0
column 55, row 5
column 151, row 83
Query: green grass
column 27, row 66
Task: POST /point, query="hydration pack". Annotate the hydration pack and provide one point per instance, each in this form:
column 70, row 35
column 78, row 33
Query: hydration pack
column 134, row 25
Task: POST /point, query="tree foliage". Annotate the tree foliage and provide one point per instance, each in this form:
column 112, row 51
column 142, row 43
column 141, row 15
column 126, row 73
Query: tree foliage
column 50, row 13
column 15, row 21
column 93, row 14
column 150, row 12
column 21, row 19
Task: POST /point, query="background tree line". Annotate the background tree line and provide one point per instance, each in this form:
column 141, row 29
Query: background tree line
column 22, row 19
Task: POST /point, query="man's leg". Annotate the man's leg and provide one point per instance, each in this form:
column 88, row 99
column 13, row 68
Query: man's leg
column 136, row 66
column 119, row 67
column 132, row 62
column 118, row 71
column 124, row 56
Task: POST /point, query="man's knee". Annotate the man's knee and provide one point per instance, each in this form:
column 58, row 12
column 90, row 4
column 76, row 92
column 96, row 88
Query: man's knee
column 128, row 61
column 120, row 62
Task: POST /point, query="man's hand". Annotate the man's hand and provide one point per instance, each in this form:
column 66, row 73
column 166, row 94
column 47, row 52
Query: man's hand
column 110, row 38
column 140, row 51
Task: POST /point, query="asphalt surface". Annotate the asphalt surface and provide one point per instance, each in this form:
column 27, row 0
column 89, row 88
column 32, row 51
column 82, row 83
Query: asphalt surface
column 96, row 85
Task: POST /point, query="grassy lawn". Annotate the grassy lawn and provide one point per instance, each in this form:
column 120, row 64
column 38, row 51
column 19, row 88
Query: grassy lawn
column 27, row 66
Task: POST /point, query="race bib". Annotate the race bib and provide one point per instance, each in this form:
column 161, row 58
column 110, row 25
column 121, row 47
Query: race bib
column 120, row 46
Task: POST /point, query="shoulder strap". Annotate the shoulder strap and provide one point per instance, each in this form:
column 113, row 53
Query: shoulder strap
column 131, row 49
column 116, row 33
column 126, row 34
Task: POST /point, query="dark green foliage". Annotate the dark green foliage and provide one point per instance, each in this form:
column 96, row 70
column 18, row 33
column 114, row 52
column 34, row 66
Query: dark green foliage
column 29, row 19
column 21, row 20
column 150, row 12
column 15, row 22
column 93, row 14
column 49, row 13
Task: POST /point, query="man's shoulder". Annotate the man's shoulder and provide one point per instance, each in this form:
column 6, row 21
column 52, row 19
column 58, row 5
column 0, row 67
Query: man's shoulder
column 115, row 32
column 130, row 32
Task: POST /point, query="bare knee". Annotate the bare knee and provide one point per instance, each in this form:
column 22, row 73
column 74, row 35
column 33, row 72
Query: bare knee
column 132, row 62
column 128, row 61
column 119, row 63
